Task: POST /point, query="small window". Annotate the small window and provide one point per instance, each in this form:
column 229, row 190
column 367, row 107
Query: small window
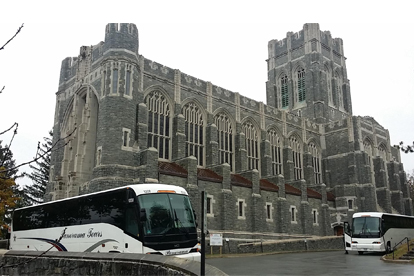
column 210, row 202
column 98, row 156
column 350, row 204
column 293, row 214
column 269, row 212
column 315, row 216
column 241, row 211
column 240, row 208
column 126, row 133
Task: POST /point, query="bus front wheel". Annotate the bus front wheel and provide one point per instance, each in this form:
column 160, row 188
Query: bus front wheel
column 388, row 250
column 360, row 252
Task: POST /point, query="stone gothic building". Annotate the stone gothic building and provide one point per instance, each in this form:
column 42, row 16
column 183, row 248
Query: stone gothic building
column 300, row 164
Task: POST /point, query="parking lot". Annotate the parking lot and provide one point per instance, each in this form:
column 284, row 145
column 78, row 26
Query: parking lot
column 314, row 263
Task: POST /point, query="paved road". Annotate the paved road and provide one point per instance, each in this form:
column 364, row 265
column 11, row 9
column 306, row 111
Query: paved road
column 316, row 263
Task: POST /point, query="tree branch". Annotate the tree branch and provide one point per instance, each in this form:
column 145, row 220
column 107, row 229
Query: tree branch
column 18, row 31
column 2, row 89
column 15, row 124
column 39, row 156
column 405, row 149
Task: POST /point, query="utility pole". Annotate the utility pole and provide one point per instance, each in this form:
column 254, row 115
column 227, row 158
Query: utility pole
column 203, row 232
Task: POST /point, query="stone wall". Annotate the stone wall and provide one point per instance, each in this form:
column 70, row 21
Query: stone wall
column 305, row 244
column 70, row 263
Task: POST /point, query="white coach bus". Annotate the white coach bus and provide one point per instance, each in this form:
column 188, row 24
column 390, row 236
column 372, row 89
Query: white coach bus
column 377, row 232
column 141, row 218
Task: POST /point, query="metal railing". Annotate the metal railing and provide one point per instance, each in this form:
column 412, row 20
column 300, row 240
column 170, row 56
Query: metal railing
column 395, row 246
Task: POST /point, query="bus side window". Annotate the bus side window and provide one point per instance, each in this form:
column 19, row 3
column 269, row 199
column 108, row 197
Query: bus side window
column 113, row 204
column 131, row 221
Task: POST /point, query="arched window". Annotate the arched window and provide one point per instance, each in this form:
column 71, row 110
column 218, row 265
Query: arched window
column 159, row 123
column 316, row 162
column 382, row 151
column 194, row 132
column 225, row 139
column 284, row 91
column 297, row 157
column 252, row 147
column 301, row 85
column 276, row 151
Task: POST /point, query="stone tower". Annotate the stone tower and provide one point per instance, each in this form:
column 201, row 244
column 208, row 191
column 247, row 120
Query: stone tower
column 307, row 75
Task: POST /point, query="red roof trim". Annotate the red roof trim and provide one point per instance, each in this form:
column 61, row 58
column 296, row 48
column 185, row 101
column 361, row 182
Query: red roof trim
column 292, row 190
column 330, row 196
column 238, row 180
column 209, row 175
column 268, row 186
column 313, row 194
column 171, row 169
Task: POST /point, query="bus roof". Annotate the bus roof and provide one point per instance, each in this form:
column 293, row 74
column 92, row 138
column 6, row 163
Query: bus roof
column 139, row 189
column 376, row 214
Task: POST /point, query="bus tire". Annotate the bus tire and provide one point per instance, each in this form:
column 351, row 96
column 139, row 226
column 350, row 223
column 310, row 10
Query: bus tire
column 360, row 252
column 388, row 249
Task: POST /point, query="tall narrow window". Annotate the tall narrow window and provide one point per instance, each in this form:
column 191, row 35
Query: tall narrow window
column 98, row 156
column 208, row 211
column 315, row 216
column 350, row 204
column 301, row 85
column 251, row 143
column 210, row 204
column 316, row 163
column 103, row 83
column 369, row 150
column 240, row 209
column 284, row 91
column 225, row 139
column 293, row 214
column 159, row 123
column 339, row 92
column 276, row 152
column 194, row 132
column 125, row 139
column 297, row 157
column 115, row 81
column 329, row 85
column 128, row 83
column 269, row 212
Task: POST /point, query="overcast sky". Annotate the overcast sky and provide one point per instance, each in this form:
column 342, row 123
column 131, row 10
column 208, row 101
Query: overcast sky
column 224, row 42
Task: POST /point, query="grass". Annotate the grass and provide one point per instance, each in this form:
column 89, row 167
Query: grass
column 400, row 251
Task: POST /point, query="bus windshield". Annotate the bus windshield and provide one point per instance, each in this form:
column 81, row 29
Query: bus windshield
column 366, row 227
column 167, row 214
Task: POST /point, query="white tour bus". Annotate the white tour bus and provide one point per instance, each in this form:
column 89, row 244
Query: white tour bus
column 141, row 218
column 377, row 232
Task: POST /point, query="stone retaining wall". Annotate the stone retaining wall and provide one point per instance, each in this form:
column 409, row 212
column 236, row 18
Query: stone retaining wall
column 78, row 263
column 307, row 244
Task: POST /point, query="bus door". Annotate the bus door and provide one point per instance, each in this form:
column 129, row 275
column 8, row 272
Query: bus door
column 347, row 236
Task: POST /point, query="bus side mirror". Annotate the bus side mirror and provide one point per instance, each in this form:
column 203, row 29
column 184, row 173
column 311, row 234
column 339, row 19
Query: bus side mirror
column 143, row 215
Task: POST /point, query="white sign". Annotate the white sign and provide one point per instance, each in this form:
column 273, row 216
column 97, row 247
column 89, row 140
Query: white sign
column 216, row 240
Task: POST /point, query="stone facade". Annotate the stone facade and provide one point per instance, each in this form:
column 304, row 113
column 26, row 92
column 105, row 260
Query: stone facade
column 300, row 164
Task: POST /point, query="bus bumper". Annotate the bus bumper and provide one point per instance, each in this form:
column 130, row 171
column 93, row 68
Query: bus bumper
column 194, row 256
column 367, row 247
